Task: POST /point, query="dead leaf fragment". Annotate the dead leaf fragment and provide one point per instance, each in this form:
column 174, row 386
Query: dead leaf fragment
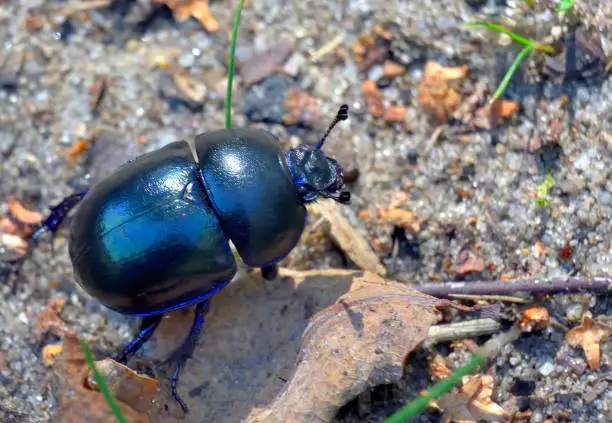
column 261, row 65
column 17, row 210
column 14, row 243
column 394, row 216
column 192, row 87
column 77, row 150
column 534, row 318
column 347, row 238
column 435, row 93
column 50, row 352
column 473, row 402
column 49, row 319
column 356, row 343
column 472, row 264
column 302, row 108
column 393, row 69
column 76, row 402
column 588, row 335
column 439, row 369
column 490, row 115
column 374, row 98
column 198, row 9
column 395, row 114
column 136, row 390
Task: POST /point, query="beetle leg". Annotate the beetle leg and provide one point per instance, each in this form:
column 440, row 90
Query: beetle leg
column 269, row 272
column 58, row 214
column 184, row 352
column 147, row 327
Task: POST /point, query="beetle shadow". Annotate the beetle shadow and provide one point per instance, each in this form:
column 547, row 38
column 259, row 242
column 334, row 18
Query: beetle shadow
column 248, row 349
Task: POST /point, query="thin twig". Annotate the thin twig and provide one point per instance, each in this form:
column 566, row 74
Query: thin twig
column 460, row 330
column 579, row 284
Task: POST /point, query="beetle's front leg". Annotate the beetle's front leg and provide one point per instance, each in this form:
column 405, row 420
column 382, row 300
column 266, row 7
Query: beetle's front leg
column 269, row 272
column 147, row 327
column 59, row 213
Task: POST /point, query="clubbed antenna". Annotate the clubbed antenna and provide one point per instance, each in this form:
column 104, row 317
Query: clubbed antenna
column 342, row 115
column 230, row 72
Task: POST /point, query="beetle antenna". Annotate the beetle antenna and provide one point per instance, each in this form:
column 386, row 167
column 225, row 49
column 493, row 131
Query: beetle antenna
column 341, row 115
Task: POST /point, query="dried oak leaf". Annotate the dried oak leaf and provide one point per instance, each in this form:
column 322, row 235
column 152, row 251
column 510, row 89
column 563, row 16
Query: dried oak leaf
column 290, row 350
column 435, row 93
column 588, row 335
column 472, row 403
column 198, row 9
column 76, row 402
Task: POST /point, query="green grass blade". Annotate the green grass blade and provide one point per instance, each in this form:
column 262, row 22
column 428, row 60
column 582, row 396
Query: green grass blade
column 565, row 5
column 230, row 72
column 437, row 390
column 515, row 65
column 112, row 403
column 515, row 37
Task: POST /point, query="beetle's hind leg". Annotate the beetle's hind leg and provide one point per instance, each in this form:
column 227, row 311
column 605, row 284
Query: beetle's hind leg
column 269, row 272
column 185, row 351
column 147, row 328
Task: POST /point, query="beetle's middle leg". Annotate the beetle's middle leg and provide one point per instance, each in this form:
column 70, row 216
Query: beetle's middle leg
column 147, row 327
column 185, row 351
column 269, row 272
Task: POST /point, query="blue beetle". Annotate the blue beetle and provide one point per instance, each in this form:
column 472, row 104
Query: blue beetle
column 155, row 236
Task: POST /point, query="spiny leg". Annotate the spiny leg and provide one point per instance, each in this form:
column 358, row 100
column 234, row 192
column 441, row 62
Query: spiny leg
column 51, row 224
column 147, row 328
column 269, row 272
column 184, row 352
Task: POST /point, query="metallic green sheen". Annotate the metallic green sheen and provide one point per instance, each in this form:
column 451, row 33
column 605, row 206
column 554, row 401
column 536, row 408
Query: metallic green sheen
column 252, row 191
column 146, row 240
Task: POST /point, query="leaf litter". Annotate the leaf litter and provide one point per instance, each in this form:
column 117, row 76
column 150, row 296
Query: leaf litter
column 294, row 349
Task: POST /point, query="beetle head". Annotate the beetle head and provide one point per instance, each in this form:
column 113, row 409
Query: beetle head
column 316, row 174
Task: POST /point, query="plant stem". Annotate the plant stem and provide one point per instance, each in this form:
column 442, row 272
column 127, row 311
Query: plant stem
column 230, row 72
column 417, row 406
column 112, row 403
column 578, row 284
column 508, row 76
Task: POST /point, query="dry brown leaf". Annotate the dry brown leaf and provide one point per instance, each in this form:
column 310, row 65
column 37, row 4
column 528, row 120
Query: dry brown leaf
column 534, row 318
column 395, row 114
column 77, row 150
column 473, row 402
column 472, row 264
column 261, row 65
column 347, row 238
column 50, row 352
column 393, row 216
column 435, row 93
column 256, row 354
column 393, row 70
column 76, row 402
column 588, row 335
column 302, row 108
column 198, row 9
column 192, row 87
column 22, row 214
column 14, row 243
column 489, row 116
column 49, row 319
column 136, row 390
column 373, row 98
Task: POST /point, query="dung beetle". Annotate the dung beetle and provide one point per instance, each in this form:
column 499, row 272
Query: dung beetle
column 155, row 235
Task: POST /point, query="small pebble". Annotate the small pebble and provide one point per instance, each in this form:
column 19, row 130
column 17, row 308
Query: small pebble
column 546, row 369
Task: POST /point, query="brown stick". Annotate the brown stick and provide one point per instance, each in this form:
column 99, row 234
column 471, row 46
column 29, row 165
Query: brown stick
column 578, row 284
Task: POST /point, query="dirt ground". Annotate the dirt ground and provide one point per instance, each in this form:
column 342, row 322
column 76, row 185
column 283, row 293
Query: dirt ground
column 443, row 188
